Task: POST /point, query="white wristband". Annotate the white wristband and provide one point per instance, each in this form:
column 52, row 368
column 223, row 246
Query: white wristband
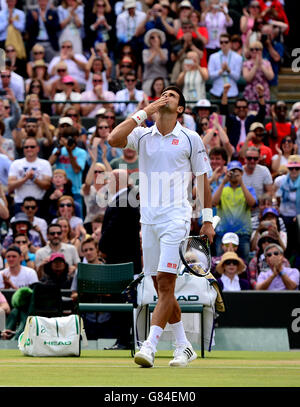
column 207, row 215
column 139, row 117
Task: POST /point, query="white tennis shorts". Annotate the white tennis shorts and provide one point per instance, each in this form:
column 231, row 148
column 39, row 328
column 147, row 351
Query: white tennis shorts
column 160, row 244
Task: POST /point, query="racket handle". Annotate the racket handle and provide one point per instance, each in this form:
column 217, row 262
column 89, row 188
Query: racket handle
column 216, row 220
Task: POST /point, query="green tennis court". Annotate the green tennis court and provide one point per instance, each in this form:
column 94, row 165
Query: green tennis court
column 116, row 368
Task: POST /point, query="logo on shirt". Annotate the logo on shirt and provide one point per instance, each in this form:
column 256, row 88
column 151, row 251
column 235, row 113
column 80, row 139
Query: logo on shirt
column 175, row 142
column 172, row 266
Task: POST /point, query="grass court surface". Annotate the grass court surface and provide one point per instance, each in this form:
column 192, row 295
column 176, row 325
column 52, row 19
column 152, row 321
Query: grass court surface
column 116, row 368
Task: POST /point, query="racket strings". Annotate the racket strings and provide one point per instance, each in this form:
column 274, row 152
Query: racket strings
column 197, row 255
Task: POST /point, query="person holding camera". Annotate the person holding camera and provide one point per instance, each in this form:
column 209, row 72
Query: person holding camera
column 234, row 201
column 71, row 158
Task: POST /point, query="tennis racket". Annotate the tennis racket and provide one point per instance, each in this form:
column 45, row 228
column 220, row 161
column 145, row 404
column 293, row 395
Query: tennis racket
column 195, row 253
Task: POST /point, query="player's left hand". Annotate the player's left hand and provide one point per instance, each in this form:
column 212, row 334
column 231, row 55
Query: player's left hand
column 208, row 230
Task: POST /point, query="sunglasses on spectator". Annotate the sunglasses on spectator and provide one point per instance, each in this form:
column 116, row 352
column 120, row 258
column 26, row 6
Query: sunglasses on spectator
column 125, row 66
column 204, row 124
column 27, row 147
column 103, row 127
column 67, row 46
column 255, row 49
column 287, row 141
column 55, row 233
column 10, row 50
column 38, row 52
column 109, row 117
column 270, row 254
column 72, row 115
column 61, row 70
column 130, row 80
column 97, row 81
column 98, row 172
column 5, row 76
column 6, row 107
column 68, row 205
column 224, row 42
column 281, row 108
column 252, row 158
column 21, row 241
column 228, row 262
column 30, row 207
column 294, row 168
column 296, row 110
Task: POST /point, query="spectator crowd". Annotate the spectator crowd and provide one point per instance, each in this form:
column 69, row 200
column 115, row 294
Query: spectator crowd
column 73, row 69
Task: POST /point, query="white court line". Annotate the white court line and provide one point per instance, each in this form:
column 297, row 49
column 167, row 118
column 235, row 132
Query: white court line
column 155, row 367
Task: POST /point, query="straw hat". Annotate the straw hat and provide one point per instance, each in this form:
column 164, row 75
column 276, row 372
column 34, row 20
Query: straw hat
column 148, row 34
column 230, row 256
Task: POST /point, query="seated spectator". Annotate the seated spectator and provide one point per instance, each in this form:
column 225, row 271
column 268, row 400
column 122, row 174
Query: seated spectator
column 93, row 95
column 55, row 245
column 70, row 15
column 216, row 19
column 217, row 137
column 30, row 207
column 128, row 21
column 255, row 138
column 202, row 110
column 36, row 86
column 284, row 150
column 230, row 266
column 182, row 46
column 266, row 201
column 56, row 272
column 234, row 202
column 24, row 244
column 29, row 176
column 76, row 63
column 101, row 65
column 249, row 18
column 11, row 119
column 97, row 23
column 66, row 209
column 258, row 262
column 273, row 51
column 71, row 158
column 130, row 93
column 155, row 58
column 68, row 95
column 238, row 124
column 12, row 16
column 21, row 224
column 256, row 175
column 280, row 126
column 237, row 44
column 289, row 193
column 193, row 78
column 126, row 62
column 72, row 113
column 100, row 147
column 15, row 275
column 277, row 276
column 18, row 65
column 38, row 53
column 218, row 160
column 157, row 86
column 56, row 82
column 39, row 71
column 257, row 71
column 230, row 243
column 42, row 25
column 225, row 66
column 92, row 190
column 13, row 81
column 68, row 235
column 184, row 10
column 269, row 222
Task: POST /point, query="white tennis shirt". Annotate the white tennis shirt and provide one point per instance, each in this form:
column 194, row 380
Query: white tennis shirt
column 166, row 165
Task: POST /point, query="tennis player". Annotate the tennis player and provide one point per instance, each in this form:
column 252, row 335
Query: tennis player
column 168, row 156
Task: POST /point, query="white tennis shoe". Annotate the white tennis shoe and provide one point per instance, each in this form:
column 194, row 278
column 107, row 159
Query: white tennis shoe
column 145, row 356
column 183, row 355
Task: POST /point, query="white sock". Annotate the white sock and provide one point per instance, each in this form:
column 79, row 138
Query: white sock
column 179, row 333
column 154, row 335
